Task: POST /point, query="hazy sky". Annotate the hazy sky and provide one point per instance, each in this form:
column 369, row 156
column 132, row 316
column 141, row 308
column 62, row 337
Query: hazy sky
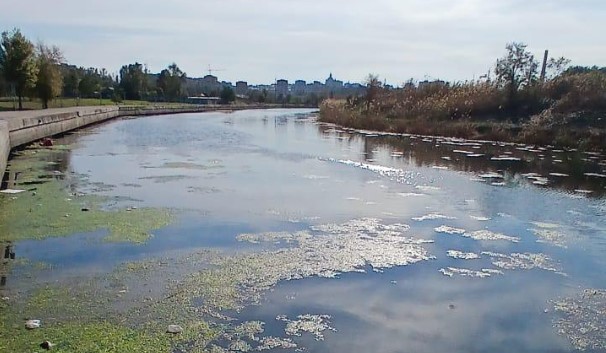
column 260, row 40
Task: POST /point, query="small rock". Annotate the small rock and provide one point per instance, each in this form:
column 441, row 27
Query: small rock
column 451, row 306
column 6, row 299
column 32, row 324
column 174, row 329
column 85, row 209
column 46, row 345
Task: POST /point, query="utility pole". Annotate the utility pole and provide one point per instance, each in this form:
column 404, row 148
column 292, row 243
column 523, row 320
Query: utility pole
column 544, row 67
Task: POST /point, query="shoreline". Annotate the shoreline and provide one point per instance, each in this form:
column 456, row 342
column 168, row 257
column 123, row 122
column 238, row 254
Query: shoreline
column 563, row 134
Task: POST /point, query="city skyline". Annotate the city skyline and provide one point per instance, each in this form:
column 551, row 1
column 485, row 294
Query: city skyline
column 259, row 43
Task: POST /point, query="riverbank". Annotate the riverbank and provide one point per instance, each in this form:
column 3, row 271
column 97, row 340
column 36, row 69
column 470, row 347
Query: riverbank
column 18, row 128
column 572, row 130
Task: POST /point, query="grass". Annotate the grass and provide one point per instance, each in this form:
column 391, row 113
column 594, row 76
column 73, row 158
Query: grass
column 567, row 111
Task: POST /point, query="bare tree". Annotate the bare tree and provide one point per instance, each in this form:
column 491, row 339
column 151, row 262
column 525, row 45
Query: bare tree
column 516, row 70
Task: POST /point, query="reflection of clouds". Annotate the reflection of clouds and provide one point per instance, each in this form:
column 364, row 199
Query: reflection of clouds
column 414, row 315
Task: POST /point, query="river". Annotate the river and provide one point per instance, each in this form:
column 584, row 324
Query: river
column 384, row 243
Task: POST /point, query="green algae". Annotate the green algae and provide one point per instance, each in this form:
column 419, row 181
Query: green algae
column 51, row 212
column 77, row 337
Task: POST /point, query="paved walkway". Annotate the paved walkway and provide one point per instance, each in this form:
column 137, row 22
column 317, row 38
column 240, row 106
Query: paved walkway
column 20, row 114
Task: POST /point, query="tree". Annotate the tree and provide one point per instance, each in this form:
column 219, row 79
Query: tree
column 171, row 81
column 227, row 95
column 49, row 81
column 516, row 70
column 18, row 62
column 133, row 81
column 373, row 87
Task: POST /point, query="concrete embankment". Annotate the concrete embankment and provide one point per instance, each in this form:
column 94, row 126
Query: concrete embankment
column 22, row 127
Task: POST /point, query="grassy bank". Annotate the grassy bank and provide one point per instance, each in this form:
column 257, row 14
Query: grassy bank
column 567, row 111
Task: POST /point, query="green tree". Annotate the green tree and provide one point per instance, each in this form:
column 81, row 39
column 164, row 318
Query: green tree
column 227, row 95
column 18, row 62
column 133, row 81
column 49, row 81
column 171, row 81
column 516, row 70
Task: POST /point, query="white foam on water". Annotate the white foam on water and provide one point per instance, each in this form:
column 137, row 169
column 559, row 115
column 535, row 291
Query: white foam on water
column 489, row 235
column 432, row 216
column 491, row 175
column 464, row 272
column 456, row 254
column 524, row 261
column 505, row 158
column 427, row 188
column 449, row 230
column 480, row 218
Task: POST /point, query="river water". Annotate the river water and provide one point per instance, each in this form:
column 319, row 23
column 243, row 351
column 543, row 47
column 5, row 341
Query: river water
column 507, row 230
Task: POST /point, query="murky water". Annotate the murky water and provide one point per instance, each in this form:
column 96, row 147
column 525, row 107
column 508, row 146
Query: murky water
column 447, row 245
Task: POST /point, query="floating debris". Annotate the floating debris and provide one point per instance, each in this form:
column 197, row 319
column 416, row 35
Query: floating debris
column 449, row 230
column 583, row 191
column 583, row 319
column 174, row 329
column 506, row 158
column 456, row 254
column 11, row 191
column 398, row 175
column 524, row 261
column 32, row 324
column 488, row 235
column 451, row 271
column 491, row 175
column 239, row 346
column 597, row 175
column 268, row 343
column 549, row 235
column 410, row 194
column 480, row 218
column 427, row 188
column 313, row 324
column 432, row 216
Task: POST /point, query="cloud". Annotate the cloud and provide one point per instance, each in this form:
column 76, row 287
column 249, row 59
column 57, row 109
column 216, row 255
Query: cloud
column 258, row 41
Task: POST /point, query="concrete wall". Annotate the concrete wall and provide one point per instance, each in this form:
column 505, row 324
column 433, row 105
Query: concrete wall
column 5, row 146
column 31, row 128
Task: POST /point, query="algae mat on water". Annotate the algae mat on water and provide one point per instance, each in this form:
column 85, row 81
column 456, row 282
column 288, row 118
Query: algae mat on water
column 51, row 212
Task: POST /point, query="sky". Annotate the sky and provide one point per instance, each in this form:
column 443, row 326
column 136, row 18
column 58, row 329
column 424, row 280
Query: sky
column 262, row 40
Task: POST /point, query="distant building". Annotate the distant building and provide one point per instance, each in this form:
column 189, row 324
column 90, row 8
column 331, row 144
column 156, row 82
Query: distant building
column 332, row 84
column 282, row 88
column 299, row 87
column 210, row 84
column 241, row 88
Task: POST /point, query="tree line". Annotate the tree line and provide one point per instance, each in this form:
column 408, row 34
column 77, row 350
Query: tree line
column 40, row 71
column 516, row 100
